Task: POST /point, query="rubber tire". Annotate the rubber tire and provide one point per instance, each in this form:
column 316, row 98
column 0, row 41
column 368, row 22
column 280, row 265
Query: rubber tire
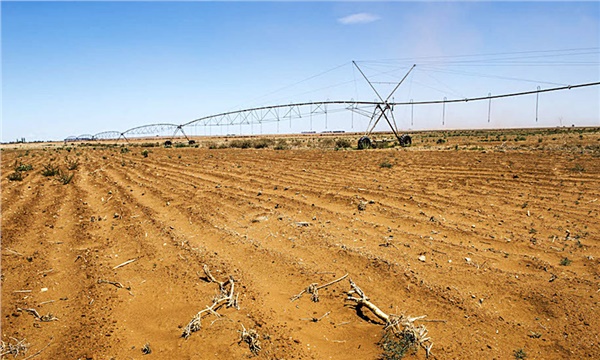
column 405, row 140
column 364, row 143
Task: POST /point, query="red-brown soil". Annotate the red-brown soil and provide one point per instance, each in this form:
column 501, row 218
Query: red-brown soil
column 515, row 209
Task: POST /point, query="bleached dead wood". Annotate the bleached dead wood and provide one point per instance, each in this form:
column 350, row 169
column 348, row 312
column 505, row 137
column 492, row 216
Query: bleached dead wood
column 315, row 319
column 314, row 288
column 226, row 296
column 125, row 263
column 399, row 325
column 16, row 348
column 44, row 318
column 115, row 283
column 250, row 337
column 13, row 252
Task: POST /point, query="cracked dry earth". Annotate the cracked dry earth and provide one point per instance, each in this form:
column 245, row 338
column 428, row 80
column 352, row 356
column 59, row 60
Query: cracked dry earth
column 472, row 239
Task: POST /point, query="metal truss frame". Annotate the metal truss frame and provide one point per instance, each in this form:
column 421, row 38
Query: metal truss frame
column 279, row 113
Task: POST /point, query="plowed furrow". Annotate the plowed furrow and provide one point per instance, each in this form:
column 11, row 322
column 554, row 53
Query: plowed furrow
column 178, row 239
column 259, row 245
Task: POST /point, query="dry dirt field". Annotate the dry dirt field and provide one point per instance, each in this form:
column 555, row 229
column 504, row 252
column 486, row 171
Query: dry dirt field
column 493, row 236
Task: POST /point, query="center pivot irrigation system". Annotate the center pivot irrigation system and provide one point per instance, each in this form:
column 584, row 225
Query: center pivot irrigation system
column 375, row 110
column 383, row 109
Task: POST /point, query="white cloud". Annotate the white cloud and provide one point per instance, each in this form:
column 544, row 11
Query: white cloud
column 359, row 18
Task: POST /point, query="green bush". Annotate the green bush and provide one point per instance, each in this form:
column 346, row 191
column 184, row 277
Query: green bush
column 395, row 346
column 520, row 354
column 578, row 168
column 50, row 170
column 145, row 153
column 385, row 164
column 72, row 164
column 15, row 176
column 65, row 178
column 565, row 261
column 23, row 167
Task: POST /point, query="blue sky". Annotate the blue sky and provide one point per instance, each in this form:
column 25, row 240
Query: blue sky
column 70, row 68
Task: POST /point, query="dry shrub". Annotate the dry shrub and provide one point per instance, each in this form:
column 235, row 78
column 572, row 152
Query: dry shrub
column 240, row 144
column 262, row 143
column 343, row 143
column 281, row 145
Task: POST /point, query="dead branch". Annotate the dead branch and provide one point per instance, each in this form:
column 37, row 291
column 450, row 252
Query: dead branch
column 17, row 348
column 250, row 337
column 434, row 320
column 314, row 319
column 388, row 243
column 226, row 296
column 13, row 252
column 400, row 325
column 125, row 263
column 363, row 300
column 115, row 283
column 43, row 318
column 314, row 288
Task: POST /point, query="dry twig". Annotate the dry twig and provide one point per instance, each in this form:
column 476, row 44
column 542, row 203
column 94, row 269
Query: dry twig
column 125, row 263
column 314, row 288
column 314, row 319
column 13, row 252
column 43, row 318
column 115, row 283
